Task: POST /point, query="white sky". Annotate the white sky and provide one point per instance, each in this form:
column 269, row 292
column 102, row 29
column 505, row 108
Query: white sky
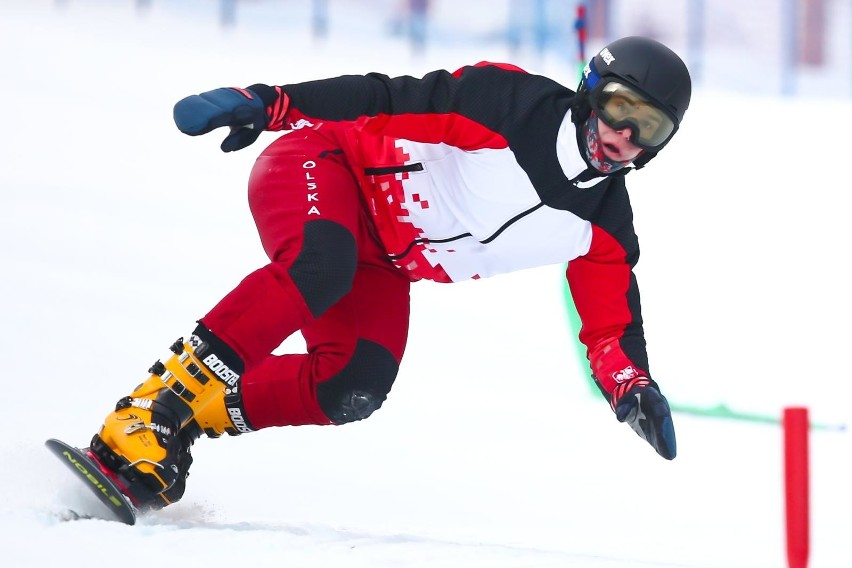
column 119, row 231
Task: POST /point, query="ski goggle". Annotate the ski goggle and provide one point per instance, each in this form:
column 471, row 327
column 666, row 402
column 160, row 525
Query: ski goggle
column 620, row 107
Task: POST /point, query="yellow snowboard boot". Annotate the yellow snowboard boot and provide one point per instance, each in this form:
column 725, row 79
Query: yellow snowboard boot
column 145, row 441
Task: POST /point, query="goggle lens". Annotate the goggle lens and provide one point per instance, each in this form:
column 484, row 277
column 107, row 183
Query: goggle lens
column 622, row 107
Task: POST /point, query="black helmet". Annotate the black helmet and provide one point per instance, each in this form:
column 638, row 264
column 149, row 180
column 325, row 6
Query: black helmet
column 645, row 69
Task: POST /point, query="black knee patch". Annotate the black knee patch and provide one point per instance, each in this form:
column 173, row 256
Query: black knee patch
column 361, row 387
column 324, row 270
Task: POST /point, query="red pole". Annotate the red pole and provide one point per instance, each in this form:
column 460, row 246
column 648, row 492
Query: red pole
column 813, row 33
column 580, row 27
column 796, row 477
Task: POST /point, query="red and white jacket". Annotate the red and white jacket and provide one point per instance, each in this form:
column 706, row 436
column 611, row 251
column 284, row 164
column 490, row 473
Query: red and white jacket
column 478, row 172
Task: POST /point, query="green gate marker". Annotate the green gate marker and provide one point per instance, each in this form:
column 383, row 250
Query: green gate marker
column 720, row 410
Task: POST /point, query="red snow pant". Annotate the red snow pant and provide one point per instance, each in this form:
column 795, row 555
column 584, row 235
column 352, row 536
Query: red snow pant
column 328, row 278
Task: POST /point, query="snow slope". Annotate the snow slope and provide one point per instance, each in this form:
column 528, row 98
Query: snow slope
column 118, row 232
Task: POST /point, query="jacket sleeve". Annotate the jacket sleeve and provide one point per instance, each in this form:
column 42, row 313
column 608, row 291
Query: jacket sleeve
column 606, row 295
column 476, row 107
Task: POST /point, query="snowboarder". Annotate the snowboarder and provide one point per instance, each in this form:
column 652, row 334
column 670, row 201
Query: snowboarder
column 378, row 182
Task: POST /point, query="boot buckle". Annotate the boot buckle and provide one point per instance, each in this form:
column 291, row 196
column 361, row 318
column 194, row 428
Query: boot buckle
column 135, row 427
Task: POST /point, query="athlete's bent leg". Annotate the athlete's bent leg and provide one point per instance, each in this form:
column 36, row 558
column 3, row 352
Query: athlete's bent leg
column 308, row 210
column 354, row 352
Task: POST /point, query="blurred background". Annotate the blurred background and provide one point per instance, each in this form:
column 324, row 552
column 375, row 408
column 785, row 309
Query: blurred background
column 790, row 47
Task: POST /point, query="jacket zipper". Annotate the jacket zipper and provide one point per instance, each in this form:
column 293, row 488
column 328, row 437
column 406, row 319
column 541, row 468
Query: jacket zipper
column 417, row 167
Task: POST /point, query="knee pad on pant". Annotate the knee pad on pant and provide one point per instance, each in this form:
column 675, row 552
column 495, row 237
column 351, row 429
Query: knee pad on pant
column 361, row 387
column 324, row 270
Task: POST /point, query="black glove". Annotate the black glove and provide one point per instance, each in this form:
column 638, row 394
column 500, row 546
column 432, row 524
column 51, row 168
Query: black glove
column 640, row 404
column 245, row 111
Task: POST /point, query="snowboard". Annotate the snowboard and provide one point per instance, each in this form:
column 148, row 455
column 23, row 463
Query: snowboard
column 88, row 470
